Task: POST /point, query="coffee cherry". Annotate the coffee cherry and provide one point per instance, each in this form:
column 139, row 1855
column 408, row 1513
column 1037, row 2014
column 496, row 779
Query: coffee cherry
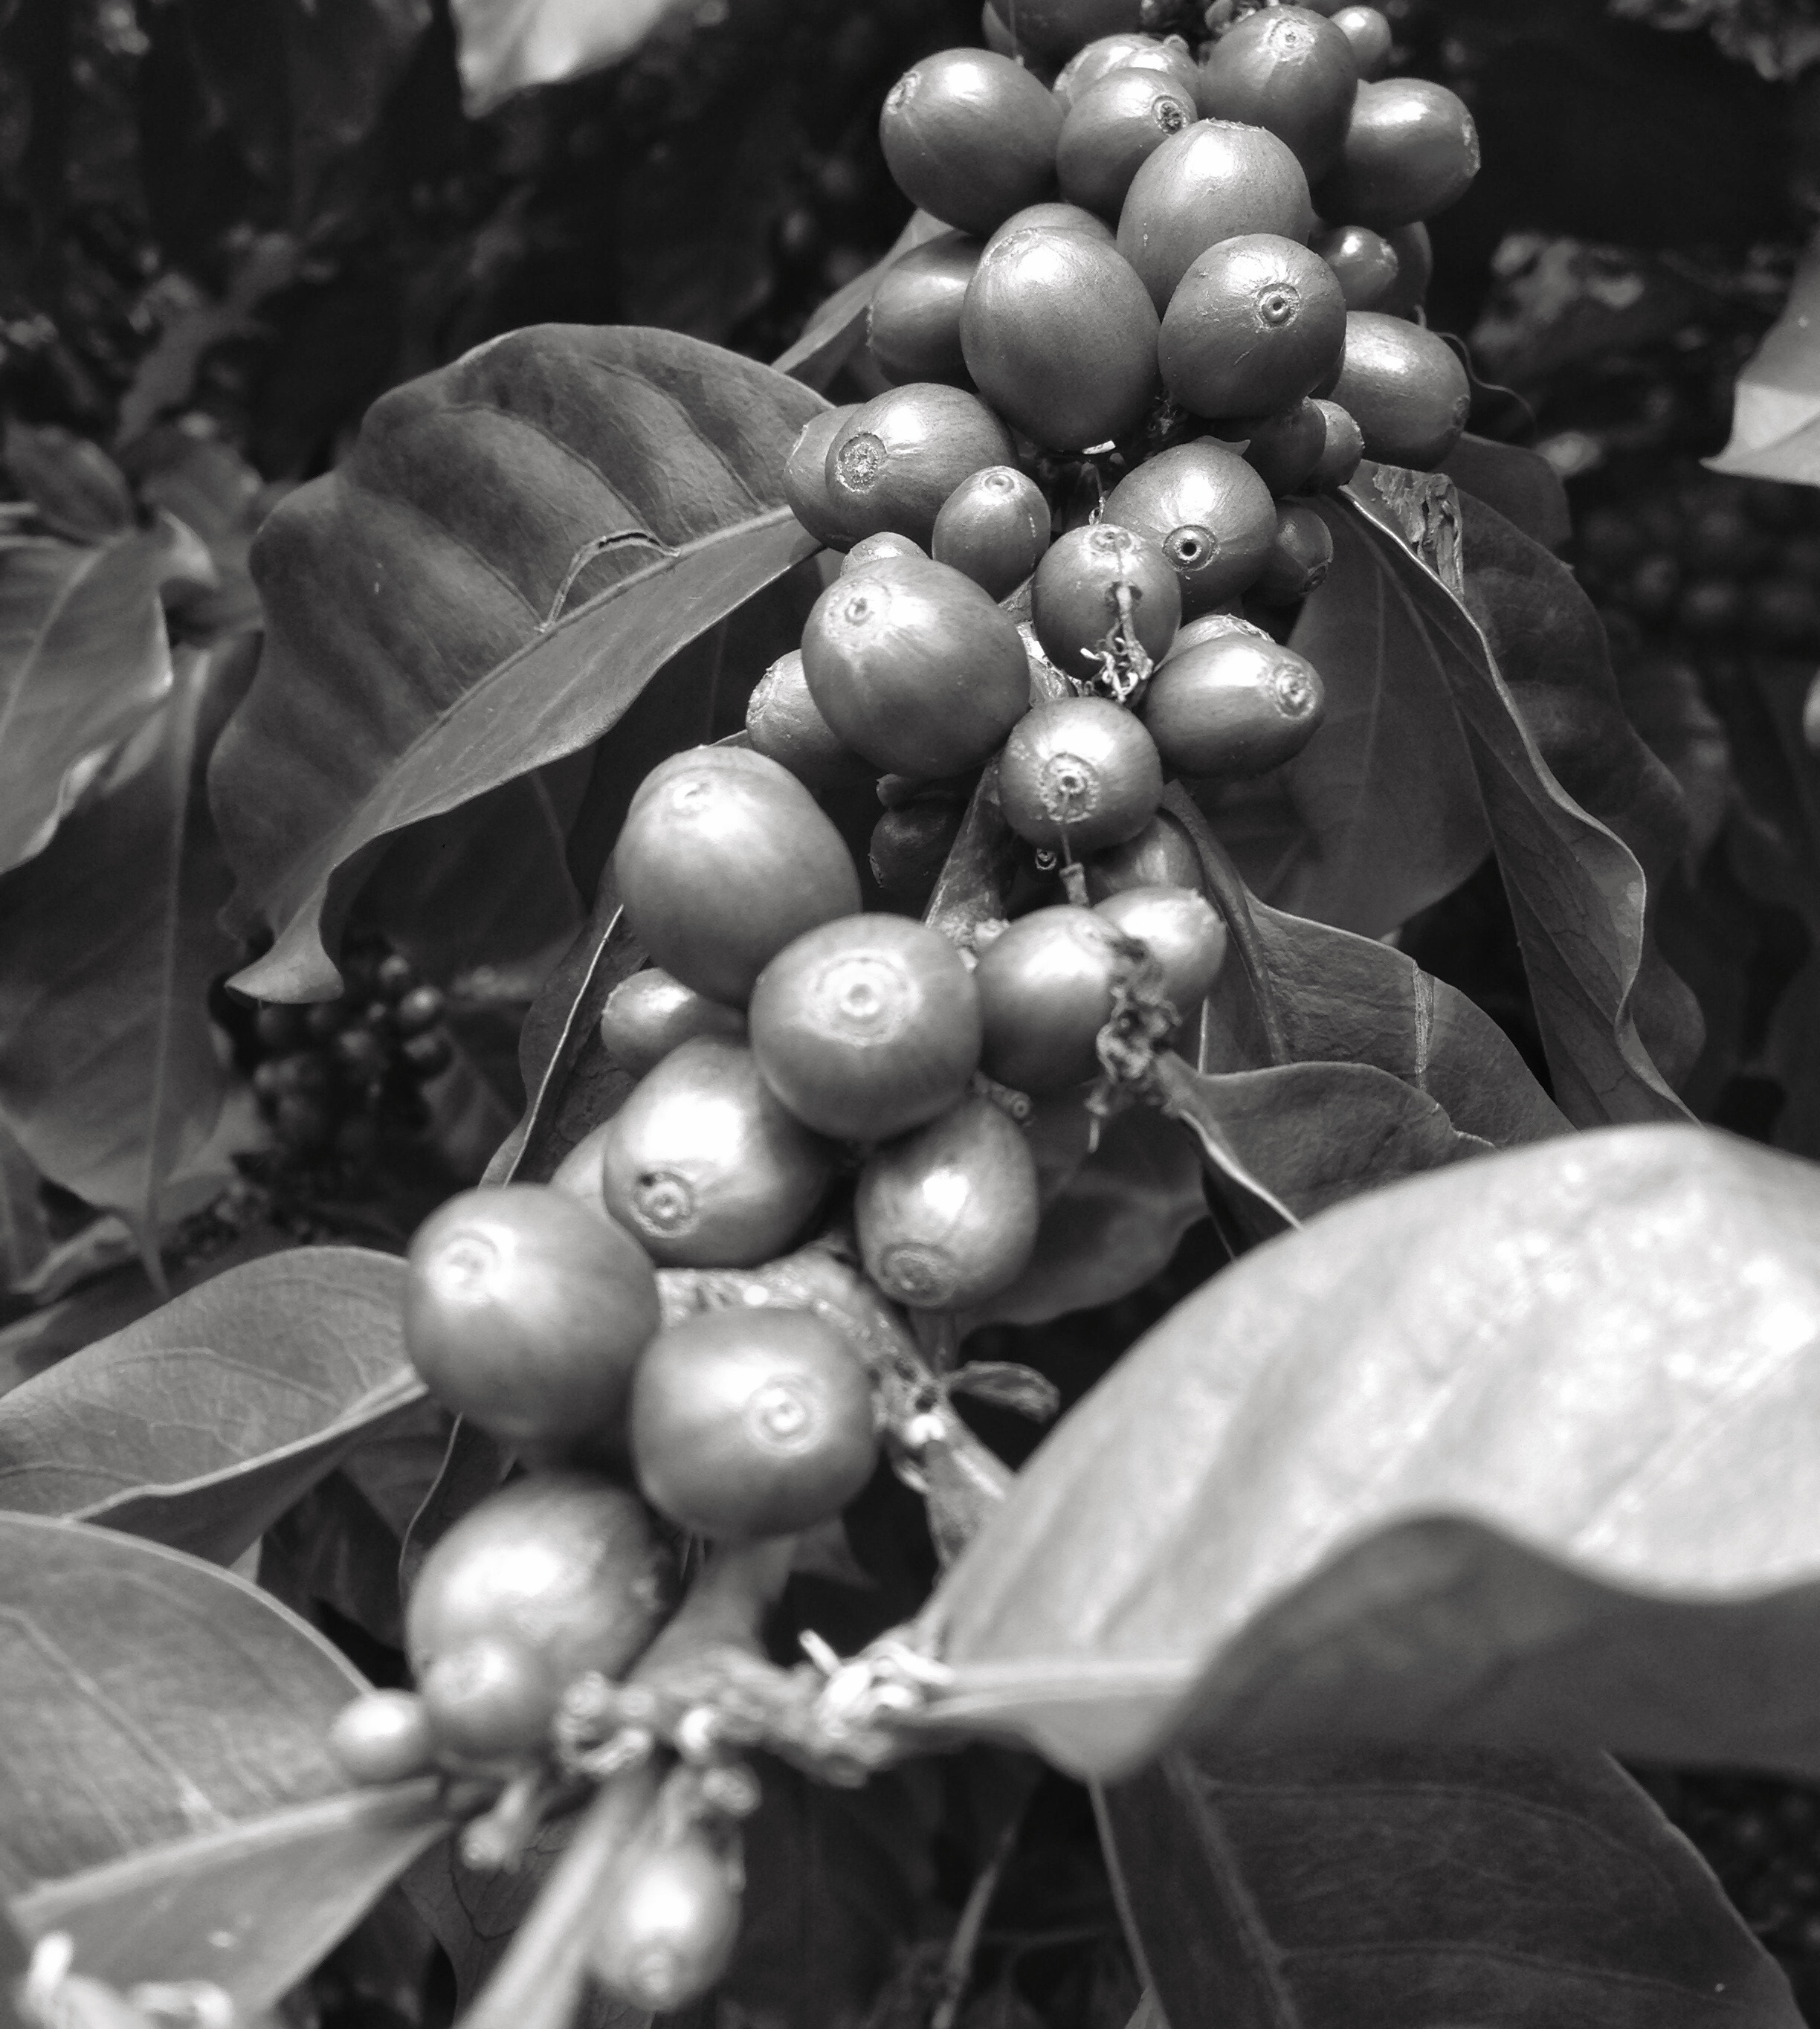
column 1287, row 69
column 783, row 725
column 751, row 1423
column 1061, row 337
column 1169, row 57
column 417, row 1010
column 1405, row 389
column 970, row 137
column 382, row 1737
column 947, row 1216
column 909, row 846
column 1343, row 446
column 902, row 453
column 867, row 1027
column 664, row 1931
column 1077, row 774
column 1214, row 180
column 1161, row 856
column 1255, row 324
column 1054, row 217
column 1209, row 513
column 913, row 324
column 915, row 668
column 1284, row 450
column 1233, row 705
column 1181, row 930
column 1650, row 589
column 647, row 1015
column 426, row 1057
column 1369, row 32
column 1074, row 598
column 1046, row 993
column 886, row 547
column 702, row 1165
column 1111, row 128
column 565, row 1563
column 396, row 976
column 806, row 475
column 489, row 1699
column 1300, row 559
column 1410, row 151
column 993, row 527
column 360, row 1053
column 724, row 857
column 1415, row 268
column 1364, row 263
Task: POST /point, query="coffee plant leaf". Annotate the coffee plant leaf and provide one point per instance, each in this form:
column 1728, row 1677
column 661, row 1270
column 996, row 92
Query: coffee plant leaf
column 110, row 1078
column 506, row 46
column 1115, row 1224
column 1512, row 1453
column 837, row 329
column 150, row 1698
column 1328, row 1885
column 15, row 1957
column 79, row 492
column 198, row 1426
column 1521, row 483
column 1577, row 890
column 1776, row 399
column 251, row 1906
column 516, row 546
column 24, row 1233
column 84, row 662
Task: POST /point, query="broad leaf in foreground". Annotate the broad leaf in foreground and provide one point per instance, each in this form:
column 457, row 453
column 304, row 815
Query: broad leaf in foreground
column 1331, row 1886
column 200, row 1425
column 1521, row 483
column 1521, row 1451
column 109, row 1075
column 24, row 1234
column 517, row 546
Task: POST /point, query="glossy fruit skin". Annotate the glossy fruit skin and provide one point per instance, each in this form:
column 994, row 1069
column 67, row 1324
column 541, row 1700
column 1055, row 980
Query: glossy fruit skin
column 525, row 1312
column 1364, row 263
column 909, row 845
column 913, row 324
column 1209, row 513
column 1181, row 930
column 1368, row 31
column 751, row 1422
column 886, row 547
column 1255, row 324
column 1111, row 128
column 915, row 668
column 721, row 863
column 970, row 137
column 1214, row 627
column 489, row 1699
column 1342, row 447
column 1287, row 69
column 867, row 1028
column 1046, row 990
column 1411, row 149
column 994, row 527
column 1284, row 450
column 806, row 475
column 1054, row 218
column 1079, row 774
column 1415, row 269
column 902, row 453
column 1213, row 181
column 666, row 1929
column 1074, row 597
column 1161, row 856
column 1234, row 706
column 382, row 1737
column 1404, row 388
column 1169, row 57
column 647, row 1015
column 567, row 1563
column 704, row 1166
column 1060, row 338
column 947, row 1216
column 1300, row 559
column 783, row 725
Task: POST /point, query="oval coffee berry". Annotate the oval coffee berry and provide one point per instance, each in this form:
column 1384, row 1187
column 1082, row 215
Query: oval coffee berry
column 1284, row 450
column 867, row 1027
column 901, row 455
column 1213, row 181
column 1410, row 151
column 1370, row 33
column 1161, row 856
column 382, row 1737
column 994, row 528
column 646, row 1016
column 1257, row 322
column 1111, row 129
column 751, row 1422
column 1046, row 987
column 1234, row 706
column 1078, row 774
column 970, row 137
column 1342, row 447
column 1300, row 559
column 909, row 845
column 1167, row 57
column 1405, row 389
column 887, row 546
column 489, row 1699
column 913, row 324
column 1288, row 69
column 783, row 725
column 664, row 1931
column 1055, row 218
column 947, row 1216
column 1181, row 930
column 703, row 1165
column 1086, row 587
column 1208, row 511
column 806, row 475
column 1364, row 263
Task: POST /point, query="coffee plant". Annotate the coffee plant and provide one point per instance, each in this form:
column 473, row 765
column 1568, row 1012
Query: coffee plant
column 908, row 1131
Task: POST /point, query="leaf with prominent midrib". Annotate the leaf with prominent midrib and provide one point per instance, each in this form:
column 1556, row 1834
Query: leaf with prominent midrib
column 404, row 673
column 1326, row 1887
column 1520, row 1452
column 201, row 1424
